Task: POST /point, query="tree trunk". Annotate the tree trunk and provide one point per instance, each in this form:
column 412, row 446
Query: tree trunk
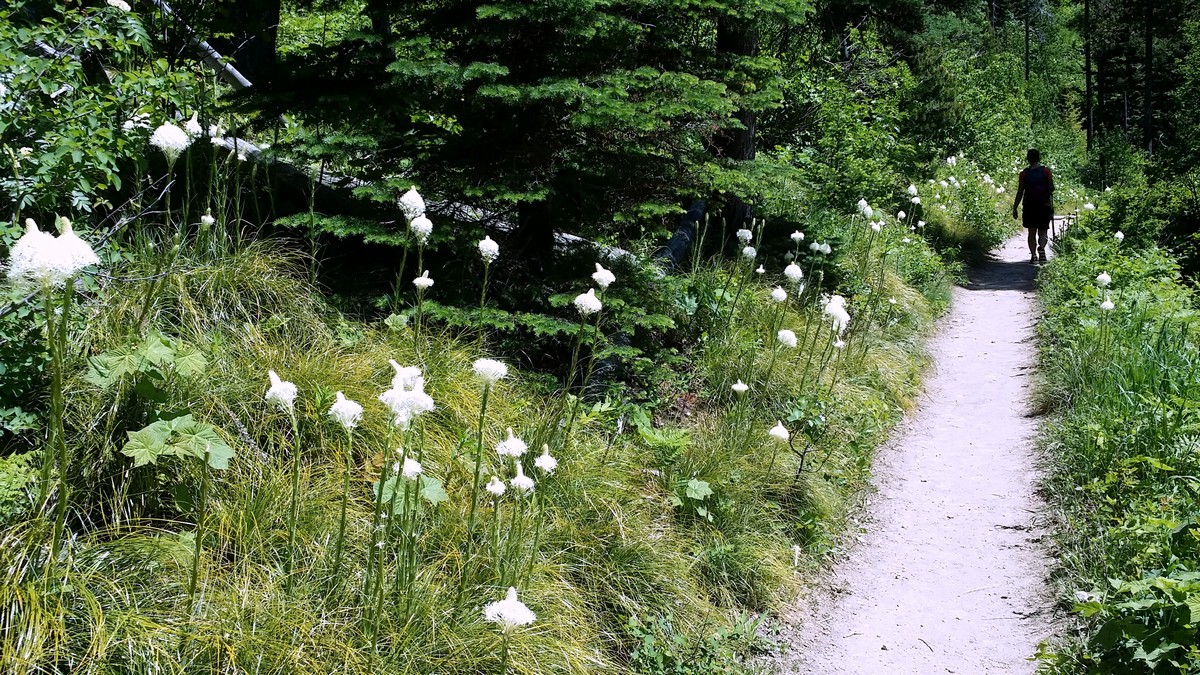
column 737, row 38
column 1148, row 71
column 1087, row 74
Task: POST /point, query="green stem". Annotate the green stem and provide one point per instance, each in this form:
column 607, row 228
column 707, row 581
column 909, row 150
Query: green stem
column 60, row 435
column 504, row 655
column 341, row 536
column 462, row 580
column 487, row 266
column 199, row 532
column 294, row 512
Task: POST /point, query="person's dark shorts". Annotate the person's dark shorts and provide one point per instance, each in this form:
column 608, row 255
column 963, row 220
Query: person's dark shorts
column 1037, row 217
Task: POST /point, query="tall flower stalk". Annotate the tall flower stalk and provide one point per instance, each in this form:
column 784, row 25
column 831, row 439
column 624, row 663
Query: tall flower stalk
column 347, row 413
column 42, row 261
column 489, row 372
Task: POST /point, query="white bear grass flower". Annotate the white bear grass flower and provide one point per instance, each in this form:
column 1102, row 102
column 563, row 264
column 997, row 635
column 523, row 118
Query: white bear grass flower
column 171, row 140
column 603, row 278
column 412, row 204
column 787, row 338
column 511, row 446
column 282, row 393
column 779, row 295
column 521, row 481
column 346, row 412
column 1107, row 305
column 411, row 469
column 510, row 612
column 797, row 236
column 490, row 371
column 745, row 235
column 406, row 377
column 780, row 432
column 749, row 253
column 1119, row 236
column 1103, row 279
column 496, row 487
column 423, row 282
column 740, row 387
column 836, row 309
column 489, row 250
column 793, row 272
column 40, row 258
column 421, row 227
column 119, row 4
column 587, row 303
column 545, row 461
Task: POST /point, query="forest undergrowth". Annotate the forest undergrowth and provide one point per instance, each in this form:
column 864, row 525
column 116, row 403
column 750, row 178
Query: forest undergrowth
column 221, row 456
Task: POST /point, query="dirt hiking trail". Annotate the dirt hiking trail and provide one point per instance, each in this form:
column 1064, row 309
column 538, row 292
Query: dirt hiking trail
column 948, row 573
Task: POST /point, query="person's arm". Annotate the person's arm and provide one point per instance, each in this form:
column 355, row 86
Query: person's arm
column 1020, row 193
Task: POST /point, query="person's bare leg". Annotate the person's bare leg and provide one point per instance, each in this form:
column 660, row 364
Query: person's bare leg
column 1032, row 242
column 1042, row 235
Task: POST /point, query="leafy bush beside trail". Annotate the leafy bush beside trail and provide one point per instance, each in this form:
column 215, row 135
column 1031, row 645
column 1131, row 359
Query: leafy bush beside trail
column 1124, row 386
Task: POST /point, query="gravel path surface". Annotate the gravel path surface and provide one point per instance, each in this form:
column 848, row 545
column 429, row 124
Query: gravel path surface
column 948, row 573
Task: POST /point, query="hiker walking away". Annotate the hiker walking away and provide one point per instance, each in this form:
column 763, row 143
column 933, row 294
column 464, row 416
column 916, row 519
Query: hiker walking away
column 1036, row 186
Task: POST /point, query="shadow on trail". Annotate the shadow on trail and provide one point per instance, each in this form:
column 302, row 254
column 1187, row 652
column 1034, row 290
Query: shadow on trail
column 1002, row 275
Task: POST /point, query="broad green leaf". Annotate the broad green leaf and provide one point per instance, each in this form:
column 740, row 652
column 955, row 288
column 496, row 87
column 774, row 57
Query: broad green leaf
column 156, row 350
column 189, row 361
column 433, row 491
column 194, row 438
column 698, row 489
column 144, row 446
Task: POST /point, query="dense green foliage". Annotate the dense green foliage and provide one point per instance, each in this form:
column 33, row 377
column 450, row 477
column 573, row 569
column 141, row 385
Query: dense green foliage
column 1124, row 460
column 180, row 521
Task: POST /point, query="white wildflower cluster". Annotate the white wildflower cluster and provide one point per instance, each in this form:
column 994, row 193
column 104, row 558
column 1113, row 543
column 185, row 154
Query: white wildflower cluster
column 1103, row 279
column 865, row 209
column 411, row 468
column 779, row 295
column 413, row 206
column 603, row 278
column 40, row 258
column 521, row 481
column 511, row 446
column 1089, row 207
column 422, row 228
column 951, row 160
column 192, row 126
column 1119, row 236
column 780, row 433
column 281, row 392
column 587, row 303
column 744, row 236
column 510, row 612
column 797, row 236
column 749, row 253
column 119, row 4
column 793, row 272
column 489, row 250
column 407, row 398
column 346, row 412
column 820, row 247
column 490, row 371
column 787, row 338
column 901, row 215
column 423, row 282
column 496, row 487
column 171, row 140
column 912, row 189
column 740, row 387
column 545, row 461
column 835, row 308
column 412, row 203
column 1107, row 305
